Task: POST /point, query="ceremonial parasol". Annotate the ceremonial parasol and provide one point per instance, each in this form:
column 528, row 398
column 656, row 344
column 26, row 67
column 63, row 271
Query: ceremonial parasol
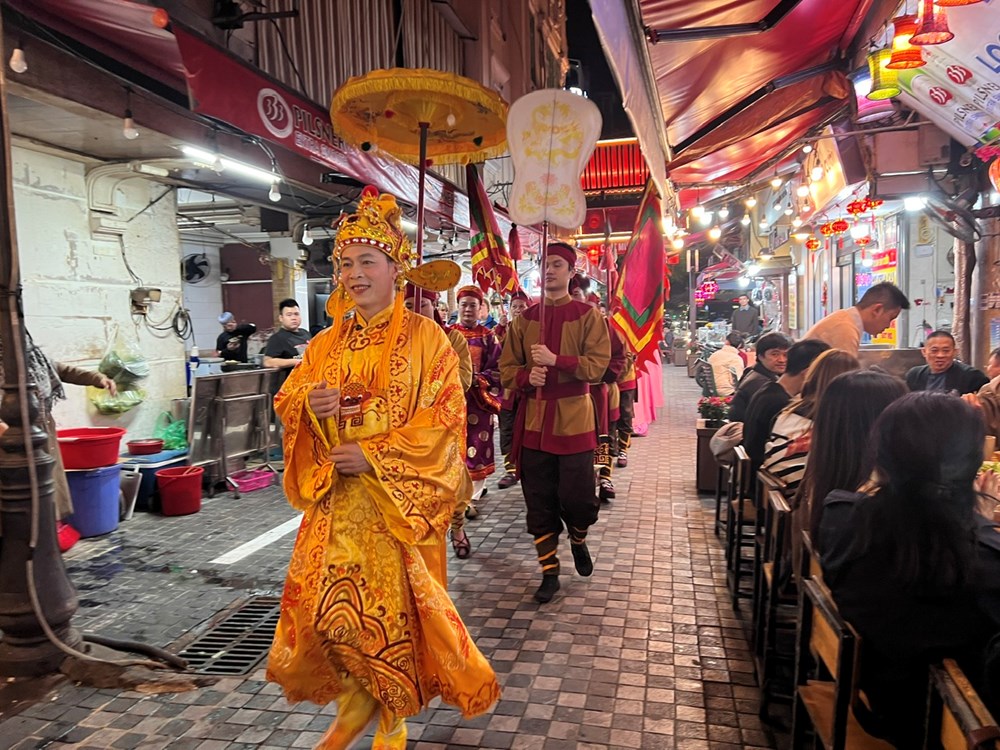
column 421, row 117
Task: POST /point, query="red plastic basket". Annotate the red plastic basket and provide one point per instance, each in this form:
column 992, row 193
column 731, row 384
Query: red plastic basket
column 253, row 479
column 89, row 447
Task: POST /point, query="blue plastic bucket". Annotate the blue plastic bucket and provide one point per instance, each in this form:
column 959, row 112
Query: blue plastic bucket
column 95, row 500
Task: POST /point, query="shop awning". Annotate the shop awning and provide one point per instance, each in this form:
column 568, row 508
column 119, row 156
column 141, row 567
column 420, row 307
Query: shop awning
column 223, row 87
column 738, row 82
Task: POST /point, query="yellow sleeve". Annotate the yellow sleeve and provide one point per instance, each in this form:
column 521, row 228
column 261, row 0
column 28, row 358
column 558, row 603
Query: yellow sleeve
column 309, row 474
column 461, row 347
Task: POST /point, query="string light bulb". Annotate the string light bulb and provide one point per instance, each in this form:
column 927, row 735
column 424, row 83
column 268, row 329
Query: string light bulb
column 776, row 182
column 745, row 221
column 807, row 149
column 129, row 130
column 274, row 194
column 724, row 212
column 817, row 174
column 18, row 63
column 678, row 243
column 307, row 238
column 714, row 233
column 802, row 191
column 750, row 202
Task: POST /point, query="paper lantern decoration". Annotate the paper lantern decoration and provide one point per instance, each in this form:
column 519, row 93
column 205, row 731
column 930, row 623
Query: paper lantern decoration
column 933, row 25
column 594, row 254
column 863, row 241
column 956, row 3
column 885, row 82
column 855, row 208
column 840, row 226
column 710, row 289
column 870, row 110
column 904, row 55
column 813, row 244
column 826, row 229
column 551, row 134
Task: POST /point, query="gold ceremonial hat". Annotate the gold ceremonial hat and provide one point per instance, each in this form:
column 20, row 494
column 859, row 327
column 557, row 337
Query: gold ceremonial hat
column 376, row 223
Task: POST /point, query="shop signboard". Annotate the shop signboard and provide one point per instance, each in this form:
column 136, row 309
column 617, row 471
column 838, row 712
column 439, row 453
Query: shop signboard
column 793, row 301
column 223, row 87
column 826, row 156
column 959, row 88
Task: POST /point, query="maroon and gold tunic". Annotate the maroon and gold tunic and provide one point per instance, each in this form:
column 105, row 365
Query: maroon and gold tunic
column 562, row 421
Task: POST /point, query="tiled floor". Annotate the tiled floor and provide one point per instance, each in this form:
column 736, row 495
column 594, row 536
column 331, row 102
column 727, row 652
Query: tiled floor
column 645, row 654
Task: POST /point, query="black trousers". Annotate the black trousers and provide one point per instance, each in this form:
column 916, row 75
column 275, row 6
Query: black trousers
column 626, row 413
column 558, row 490
column 506, row 430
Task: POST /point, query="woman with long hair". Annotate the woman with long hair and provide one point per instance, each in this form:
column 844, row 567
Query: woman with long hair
column 787, row 450
column 851, row 404
column 912, row 565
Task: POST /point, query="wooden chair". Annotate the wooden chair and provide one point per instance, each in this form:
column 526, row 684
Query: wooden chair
column 956, row 717
column 824, row 702
column 766, row 483
column 775, row 611
column 723, row 481
column 741, row 525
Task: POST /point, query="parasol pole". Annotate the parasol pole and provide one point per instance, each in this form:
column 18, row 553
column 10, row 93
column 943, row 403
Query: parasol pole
column 541, row 309
column 421, row 177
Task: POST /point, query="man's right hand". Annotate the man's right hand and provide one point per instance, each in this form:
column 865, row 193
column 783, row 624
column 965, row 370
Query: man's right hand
column 537, row 376
column 324, row 401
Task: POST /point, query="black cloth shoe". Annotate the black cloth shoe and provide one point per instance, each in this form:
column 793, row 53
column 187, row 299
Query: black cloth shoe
column 581, row 559
column 548, row 589
column 507, row 480
column 607, row 491
column 622, row 459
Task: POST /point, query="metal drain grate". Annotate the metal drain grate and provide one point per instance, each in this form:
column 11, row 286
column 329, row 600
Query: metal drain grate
column 238, row 642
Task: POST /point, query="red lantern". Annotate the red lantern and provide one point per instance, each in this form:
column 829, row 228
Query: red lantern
column 594, row 254
column 710, row 289
column 994, row 173
column 813, row 244
column 956, row 3
column 827, row 229
column 840, row 226
column 933, row 25
column 863, row 241
column 904, row 54
column 872, row 204
column 854, row 208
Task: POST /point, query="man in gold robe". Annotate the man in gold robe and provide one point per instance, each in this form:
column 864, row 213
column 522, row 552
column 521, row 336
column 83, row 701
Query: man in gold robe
column 374, row 443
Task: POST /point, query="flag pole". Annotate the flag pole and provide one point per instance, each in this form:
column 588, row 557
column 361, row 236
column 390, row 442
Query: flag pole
column 541, row 309
column 422, row 177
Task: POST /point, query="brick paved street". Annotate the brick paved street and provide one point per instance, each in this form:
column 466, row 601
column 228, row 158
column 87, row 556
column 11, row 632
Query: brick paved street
column 645, row 654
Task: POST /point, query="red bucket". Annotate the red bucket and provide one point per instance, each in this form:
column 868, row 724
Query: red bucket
column 89, row 447
column 180, row 490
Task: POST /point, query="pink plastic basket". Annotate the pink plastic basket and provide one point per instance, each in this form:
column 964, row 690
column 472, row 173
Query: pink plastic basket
column 253, row 479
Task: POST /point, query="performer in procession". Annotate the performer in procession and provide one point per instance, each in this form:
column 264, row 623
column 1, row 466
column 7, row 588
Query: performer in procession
column 554, row 436
column 482, row 399
column 373, row 444
column 519, row 302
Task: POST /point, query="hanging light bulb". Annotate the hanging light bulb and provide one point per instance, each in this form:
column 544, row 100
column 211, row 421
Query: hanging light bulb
column 762, row 224
column 714, row 233
column 932, row 26
column 776, row 182
column 129, row 129
column 274, row 194
column 807, row 149
column 805, row 208
column 817, row 173
column 697, row 211
column 789, row 210
column 745, row 221
column 752, row 269
column 724, row 213
column 796, row 222
column 706, row 218
column 678, row 243
column 802, row 191
column 18, row 63
column 307, row 238
column 750, row 202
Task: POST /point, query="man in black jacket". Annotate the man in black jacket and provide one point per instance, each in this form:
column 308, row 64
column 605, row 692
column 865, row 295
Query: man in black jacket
column 772, row 358
column 942, row 372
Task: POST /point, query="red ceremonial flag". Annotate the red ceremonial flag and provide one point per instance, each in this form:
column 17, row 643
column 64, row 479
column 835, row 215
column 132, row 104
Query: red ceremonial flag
column 637, row 305
column 491, row 266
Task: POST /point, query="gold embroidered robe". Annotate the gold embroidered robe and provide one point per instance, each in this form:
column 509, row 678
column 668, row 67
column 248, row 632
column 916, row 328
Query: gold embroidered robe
column 366, row 592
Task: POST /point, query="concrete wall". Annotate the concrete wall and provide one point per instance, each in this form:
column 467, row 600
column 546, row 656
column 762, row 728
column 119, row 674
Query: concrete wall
column 76, row 286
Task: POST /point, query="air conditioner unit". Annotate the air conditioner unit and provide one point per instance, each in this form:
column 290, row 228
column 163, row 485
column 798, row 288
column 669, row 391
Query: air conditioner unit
column 933, row 146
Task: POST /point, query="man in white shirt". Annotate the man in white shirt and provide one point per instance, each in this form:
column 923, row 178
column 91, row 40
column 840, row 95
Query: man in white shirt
column 873, row 313
column 727, row 365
